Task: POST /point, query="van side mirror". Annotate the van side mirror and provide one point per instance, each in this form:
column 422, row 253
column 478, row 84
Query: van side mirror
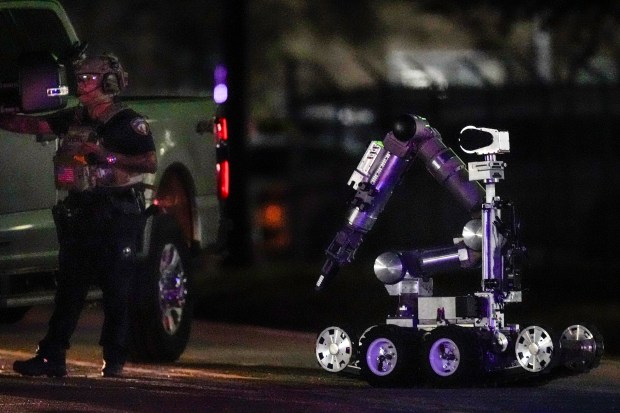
column 42, row 83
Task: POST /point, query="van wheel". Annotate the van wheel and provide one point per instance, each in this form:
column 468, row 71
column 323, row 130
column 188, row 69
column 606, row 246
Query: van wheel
column 162, row 318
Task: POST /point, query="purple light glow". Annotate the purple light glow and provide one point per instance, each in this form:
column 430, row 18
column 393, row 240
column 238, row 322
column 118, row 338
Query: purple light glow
column 220, row 74
column 220, row 93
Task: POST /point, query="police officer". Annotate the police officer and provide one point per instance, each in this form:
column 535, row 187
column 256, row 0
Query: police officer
column 105, row 149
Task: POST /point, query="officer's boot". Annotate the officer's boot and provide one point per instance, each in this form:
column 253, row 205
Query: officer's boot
column 45, row 363
column 113, row 362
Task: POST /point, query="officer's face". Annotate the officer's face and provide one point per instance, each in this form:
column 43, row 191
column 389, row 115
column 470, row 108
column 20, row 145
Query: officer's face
column 89, row 87
column 86, row 82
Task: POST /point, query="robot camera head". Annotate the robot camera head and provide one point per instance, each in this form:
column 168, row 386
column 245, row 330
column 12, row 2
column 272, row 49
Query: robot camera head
column 483, row 141
column 108, row 67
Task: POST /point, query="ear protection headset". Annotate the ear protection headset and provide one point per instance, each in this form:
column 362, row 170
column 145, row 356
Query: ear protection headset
column 114, row 81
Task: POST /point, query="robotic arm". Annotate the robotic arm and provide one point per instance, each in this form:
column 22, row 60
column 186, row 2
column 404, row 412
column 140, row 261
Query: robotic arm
column 381, row 169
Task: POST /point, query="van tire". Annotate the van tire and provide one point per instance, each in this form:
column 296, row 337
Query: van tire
column 162, row 315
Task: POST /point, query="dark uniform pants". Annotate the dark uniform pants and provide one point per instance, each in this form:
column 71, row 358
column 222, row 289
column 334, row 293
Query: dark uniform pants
column 98, row 236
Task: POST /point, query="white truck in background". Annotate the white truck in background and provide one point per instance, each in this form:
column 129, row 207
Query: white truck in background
column 184, row 199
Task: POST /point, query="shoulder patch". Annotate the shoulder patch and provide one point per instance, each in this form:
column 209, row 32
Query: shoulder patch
column 139, row 125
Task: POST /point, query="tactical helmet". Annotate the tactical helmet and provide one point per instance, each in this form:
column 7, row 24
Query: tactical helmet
column 113, row 77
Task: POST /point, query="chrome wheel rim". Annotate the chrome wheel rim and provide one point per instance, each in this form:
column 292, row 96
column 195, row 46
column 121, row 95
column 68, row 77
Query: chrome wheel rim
column 334, row 349
column 381, row 357
column 534, row 349
column 444, row 357
column 172, row 288
column 576, row 332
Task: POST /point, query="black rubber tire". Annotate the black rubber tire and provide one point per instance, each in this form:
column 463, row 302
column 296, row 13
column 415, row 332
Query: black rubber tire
column 386, row 356
column 451, row 356
column 152, row 339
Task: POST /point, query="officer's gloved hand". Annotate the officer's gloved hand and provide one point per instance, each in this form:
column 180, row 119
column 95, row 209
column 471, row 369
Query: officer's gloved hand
column 93, row 153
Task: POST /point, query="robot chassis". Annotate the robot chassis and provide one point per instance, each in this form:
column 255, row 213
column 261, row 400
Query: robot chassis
column 444, row 340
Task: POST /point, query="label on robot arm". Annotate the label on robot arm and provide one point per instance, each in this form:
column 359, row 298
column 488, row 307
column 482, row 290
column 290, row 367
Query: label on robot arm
column 365, row 167
column 378, row 171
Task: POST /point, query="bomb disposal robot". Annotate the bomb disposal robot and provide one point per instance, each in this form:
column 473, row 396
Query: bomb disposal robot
column 444, row 340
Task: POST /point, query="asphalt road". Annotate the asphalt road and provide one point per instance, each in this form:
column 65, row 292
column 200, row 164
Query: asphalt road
column 244, row 368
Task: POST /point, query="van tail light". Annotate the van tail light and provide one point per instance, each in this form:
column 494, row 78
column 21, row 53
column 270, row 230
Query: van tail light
column 223, row 179
column 220, row 131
